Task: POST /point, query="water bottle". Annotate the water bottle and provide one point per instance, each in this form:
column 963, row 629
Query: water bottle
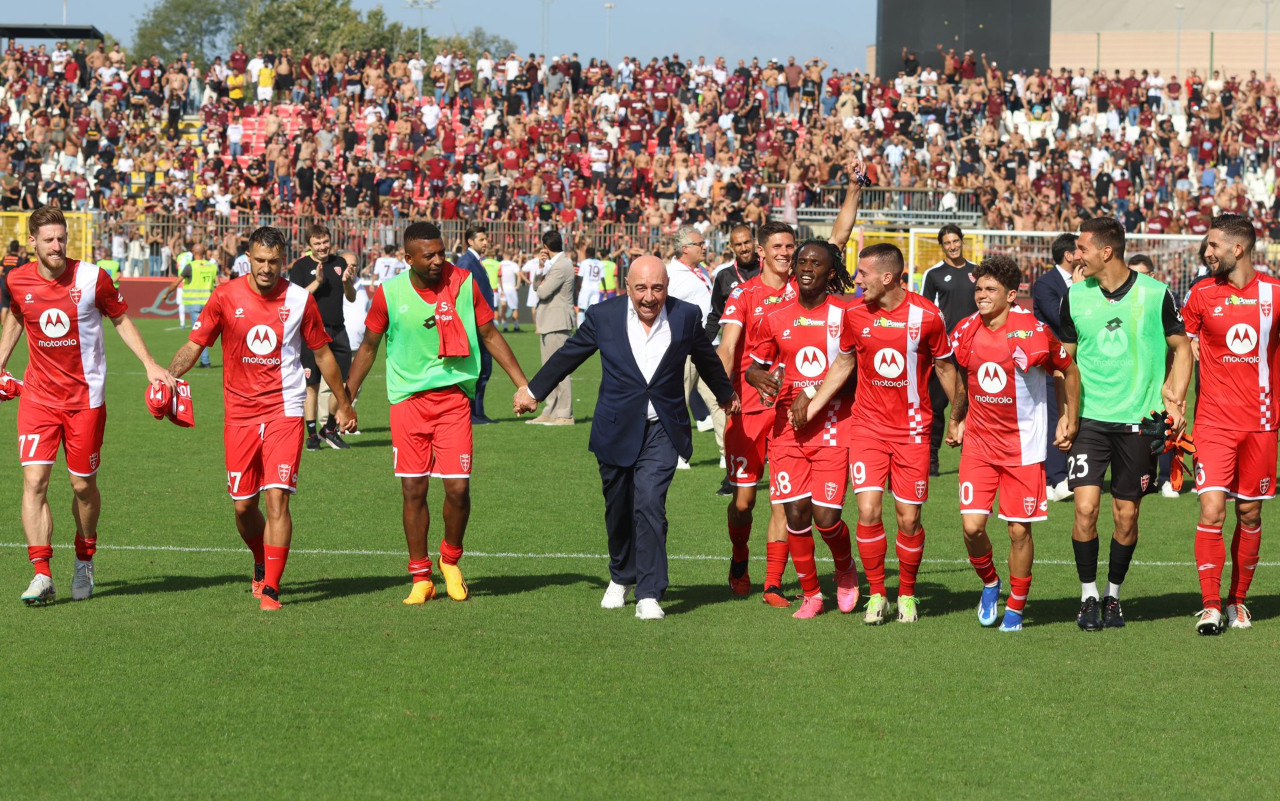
column 777, row 373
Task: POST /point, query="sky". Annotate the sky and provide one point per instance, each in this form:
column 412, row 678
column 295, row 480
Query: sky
column 838, row 32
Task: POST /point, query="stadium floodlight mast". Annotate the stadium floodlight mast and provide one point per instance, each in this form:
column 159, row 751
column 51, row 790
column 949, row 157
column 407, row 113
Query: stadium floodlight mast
column 421, row 6
column 608, row 15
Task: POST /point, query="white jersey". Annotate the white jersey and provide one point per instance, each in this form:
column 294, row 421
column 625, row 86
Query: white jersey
column 591, row 271
column 388, row 267
column 508, row 274
column 240, row 266
column 531, row 269
column 354, row 313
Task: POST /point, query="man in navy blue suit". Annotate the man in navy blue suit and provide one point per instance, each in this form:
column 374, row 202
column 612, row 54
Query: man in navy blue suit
column 477, row 244
column 1046, row 303
column 641, row 424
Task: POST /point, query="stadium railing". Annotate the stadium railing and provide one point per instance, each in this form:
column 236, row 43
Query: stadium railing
column 887, row 206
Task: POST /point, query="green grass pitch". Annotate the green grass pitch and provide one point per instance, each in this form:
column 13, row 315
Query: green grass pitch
column 171, row 683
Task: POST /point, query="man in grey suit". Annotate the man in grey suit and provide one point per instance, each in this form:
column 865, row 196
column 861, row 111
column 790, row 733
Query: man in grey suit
column 553, row 320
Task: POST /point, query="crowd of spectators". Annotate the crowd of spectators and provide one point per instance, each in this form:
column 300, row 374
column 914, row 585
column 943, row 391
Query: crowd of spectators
column 671, row 141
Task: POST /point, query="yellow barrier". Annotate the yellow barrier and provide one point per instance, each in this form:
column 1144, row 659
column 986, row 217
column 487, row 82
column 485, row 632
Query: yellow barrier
column 13, row 225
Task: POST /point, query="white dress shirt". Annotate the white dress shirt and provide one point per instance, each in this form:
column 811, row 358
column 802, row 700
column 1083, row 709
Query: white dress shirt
column 649, row 347
column 685, row 284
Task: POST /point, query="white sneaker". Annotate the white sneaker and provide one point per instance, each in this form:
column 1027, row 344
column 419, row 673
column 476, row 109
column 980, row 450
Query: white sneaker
column 615, row 597
column 1167, row 490
column 40, row 591
column 648, row 609
column 706, row 424
column 681, row 464
column 82, row 582
column 1238, row 616
column 1209, row 622
column 1061, row 491
column 722, row 465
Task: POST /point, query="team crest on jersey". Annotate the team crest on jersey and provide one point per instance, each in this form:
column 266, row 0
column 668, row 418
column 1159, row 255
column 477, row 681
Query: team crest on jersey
column 283, row 311
column 921, row 486
column 1266, row 308
column 1029, row 505
column 75, row 294
column 829, row 489
column 1264, row 485
column 284, row 471
column 465, row 460
column 913, row 331
column 833, row 330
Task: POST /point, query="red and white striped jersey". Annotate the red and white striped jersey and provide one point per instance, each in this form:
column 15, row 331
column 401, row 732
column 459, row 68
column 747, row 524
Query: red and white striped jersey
column 262, row 341
column 895, row 351
column 63, row 320
column 1008, row 370
column 746, row 307
column 1238, row 337
column 805, row 342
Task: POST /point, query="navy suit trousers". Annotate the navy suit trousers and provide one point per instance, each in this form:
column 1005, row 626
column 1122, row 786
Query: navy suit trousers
column 635, row 514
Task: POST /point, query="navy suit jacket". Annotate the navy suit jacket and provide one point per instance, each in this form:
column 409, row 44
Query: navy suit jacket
column 479, row 274
column 1046, row 299
column 617, row 426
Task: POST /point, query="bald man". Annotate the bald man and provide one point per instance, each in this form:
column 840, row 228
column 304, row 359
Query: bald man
column 641, row 425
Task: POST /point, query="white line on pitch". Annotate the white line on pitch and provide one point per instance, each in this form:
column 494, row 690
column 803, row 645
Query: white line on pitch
column 515, row 555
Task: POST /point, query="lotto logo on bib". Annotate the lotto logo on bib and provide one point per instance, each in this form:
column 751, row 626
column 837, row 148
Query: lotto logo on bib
column 55, row 325
column 811, row 362
column 889, row 363
column 1112, row 340
column 1242, row 339
column 262, row 341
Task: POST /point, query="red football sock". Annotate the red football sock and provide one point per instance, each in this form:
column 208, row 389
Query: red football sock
column 86, row 547
column 277, row 556
column 739, row 536
column 40, row 556
column 1244, row 560
column 800, row 544
column 986, row 569
column 1019, row 588
column 1211, row 552
column 420, row 569
column 872, row 546
column 910, row 552
column 450, row 554
column 255, row 547
column 775, row 563
column 837, row 539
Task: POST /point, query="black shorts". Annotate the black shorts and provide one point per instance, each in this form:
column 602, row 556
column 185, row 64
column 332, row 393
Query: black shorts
column 341, row 350
column 1133, row 465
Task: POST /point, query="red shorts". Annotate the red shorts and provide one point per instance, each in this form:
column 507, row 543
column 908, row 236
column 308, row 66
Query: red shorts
column 820, row 474
column 263, row 456
column 1239, row 463
column 431, row 435
column 746, row 437
column 1022, row 490
column 41, row 429
column 876, row 464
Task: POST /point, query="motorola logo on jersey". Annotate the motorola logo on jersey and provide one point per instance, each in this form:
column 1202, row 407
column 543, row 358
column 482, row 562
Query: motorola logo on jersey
column 991, row 378
column 1242, row 339
column 889, row 363
column 54, row 323
column 261, row 340
column 811, row 362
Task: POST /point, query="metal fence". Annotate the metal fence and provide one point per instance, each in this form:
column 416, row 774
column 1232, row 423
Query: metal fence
column 883, row 206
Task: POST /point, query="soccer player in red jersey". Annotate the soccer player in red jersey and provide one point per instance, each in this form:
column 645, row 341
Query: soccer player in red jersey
column 265, row 321
column 1232, row 321
column 809, row 468
column 60, row 303
column 895, row 339
column 746, row 435
column 435, row 320
column 1002, row 422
